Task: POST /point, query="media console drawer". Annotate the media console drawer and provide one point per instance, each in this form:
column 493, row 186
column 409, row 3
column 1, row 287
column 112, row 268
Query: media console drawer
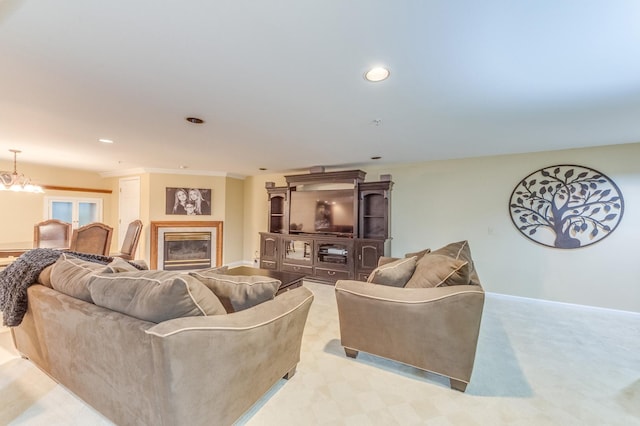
column 267, row 264
column 331, row 274
column 308, row 270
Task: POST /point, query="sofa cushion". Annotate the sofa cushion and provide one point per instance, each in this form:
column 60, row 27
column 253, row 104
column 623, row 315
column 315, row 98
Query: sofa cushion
column 237, row 292
column 154, row 296
column 395, row 274
column 70, row 276
column 461, row 250
column 437, row 270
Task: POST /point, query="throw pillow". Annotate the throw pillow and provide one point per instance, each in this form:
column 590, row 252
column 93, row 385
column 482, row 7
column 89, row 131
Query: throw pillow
column 437, row 270
column 70, row 276
column 45, row 276
column 237, row 292
column 461, row 250
column 119, row 265
column 418, row 254
column 154, row 296
column 215, row 270
column 395, row 274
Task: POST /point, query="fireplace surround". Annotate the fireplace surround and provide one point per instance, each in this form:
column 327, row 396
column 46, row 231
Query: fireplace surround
column 192, row 244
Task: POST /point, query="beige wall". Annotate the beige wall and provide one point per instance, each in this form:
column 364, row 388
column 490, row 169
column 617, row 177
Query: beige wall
column 434, row 203
column 24, row 210
column 20, row 211
column 234, row 222
column 155, row 193
column 255, row 216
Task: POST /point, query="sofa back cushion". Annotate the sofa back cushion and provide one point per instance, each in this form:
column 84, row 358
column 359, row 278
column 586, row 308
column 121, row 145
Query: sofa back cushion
column 70, row 275
column 237, row 292
column 395, row 274
column 154, row 296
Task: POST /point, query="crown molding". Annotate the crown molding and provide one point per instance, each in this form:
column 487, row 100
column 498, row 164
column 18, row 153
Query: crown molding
column 144, row 170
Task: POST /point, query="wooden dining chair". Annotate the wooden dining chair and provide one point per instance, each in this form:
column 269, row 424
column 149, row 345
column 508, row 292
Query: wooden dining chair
column 130, row 243
column 52, row 233
column 94, row 238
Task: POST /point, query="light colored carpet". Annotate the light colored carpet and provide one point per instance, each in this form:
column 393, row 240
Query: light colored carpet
column 537, row 363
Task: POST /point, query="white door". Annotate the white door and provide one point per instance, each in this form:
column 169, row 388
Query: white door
column 77, row 211
column 129, row 205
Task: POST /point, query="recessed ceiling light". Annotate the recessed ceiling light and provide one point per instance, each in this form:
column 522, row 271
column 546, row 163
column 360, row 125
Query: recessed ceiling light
column 195, row 120
column 377, row 74
column 184, row 167
column 103, row 140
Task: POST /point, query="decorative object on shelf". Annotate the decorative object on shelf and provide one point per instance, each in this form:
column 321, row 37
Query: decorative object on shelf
column 188, row 201
column 566, row 206
column 17, row 181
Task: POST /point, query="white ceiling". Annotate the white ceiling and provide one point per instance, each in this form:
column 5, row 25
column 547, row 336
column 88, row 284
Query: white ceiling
column 279, row 82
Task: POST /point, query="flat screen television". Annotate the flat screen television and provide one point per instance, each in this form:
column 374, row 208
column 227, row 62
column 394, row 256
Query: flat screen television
column 327, row 211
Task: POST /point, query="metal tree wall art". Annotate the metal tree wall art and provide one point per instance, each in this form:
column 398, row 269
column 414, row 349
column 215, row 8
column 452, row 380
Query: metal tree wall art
column 566, row 206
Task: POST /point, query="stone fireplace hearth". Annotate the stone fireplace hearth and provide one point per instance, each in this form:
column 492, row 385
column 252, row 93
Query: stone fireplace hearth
column 186, row 245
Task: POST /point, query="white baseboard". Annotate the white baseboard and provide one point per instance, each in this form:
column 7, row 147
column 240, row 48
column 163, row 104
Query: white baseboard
column 554, row 302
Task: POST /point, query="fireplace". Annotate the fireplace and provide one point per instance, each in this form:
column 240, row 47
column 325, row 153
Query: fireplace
column 186, row 245
column 186, row 250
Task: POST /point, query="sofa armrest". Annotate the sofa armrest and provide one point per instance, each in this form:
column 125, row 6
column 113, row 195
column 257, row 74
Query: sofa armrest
column 435, row 329
column 224, row 363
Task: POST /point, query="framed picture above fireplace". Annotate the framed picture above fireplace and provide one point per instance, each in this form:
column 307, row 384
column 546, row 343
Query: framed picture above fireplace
column 188, row 201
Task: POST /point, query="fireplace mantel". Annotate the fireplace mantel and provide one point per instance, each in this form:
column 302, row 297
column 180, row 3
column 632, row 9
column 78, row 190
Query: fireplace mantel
column 157, row 227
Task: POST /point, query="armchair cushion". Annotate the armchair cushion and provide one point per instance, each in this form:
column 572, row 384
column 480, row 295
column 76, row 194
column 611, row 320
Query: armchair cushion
column 237, row 292
column 436, row 270
column 395, row 274
column 154, row 296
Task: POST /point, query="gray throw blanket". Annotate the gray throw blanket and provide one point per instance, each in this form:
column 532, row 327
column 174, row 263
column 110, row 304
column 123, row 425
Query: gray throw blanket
column 19, row 275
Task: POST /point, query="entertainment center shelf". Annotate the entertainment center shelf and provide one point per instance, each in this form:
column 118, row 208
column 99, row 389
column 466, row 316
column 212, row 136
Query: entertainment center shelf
column 329, row 226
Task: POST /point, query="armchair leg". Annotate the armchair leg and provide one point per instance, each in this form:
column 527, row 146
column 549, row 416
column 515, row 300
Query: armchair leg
column 351, row 353
column 458, row 385
column 290, row 373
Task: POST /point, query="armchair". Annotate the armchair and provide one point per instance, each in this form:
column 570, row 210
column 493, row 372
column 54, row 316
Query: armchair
column 431, row 328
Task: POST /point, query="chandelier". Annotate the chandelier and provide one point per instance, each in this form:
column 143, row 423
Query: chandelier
column 17, row 182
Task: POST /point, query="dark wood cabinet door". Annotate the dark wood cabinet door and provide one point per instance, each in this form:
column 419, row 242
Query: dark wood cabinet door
column 368, row 253
column 269, row 248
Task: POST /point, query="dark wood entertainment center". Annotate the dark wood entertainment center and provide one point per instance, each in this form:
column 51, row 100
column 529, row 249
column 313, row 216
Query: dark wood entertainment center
column 347, row 250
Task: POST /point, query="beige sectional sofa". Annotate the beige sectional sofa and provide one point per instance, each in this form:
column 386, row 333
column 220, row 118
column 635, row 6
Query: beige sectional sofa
column 198, row 369
column 423, row 310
